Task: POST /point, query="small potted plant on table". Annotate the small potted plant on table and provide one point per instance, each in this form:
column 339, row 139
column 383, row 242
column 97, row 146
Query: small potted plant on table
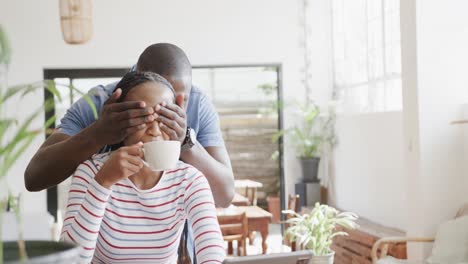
column 315, row 230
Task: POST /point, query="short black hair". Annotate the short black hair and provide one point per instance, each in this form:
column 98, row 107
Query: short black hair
column 135, row 78
column 165, row 59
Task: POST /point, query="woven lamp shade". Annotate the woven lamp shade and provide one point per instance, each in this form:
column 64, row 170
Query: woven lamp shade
column 76, row 20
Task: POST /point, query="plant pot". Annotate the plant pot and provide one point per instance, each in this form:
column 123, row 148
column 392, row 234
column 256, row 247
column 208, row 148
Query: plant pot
column 274, row 207
column 310, row 169
column 327, row 259
column 41, row 252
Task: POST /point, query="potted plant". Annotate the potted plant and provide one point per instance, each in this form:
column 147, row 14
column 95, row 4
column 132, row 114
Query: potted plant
column 315, row 230
column 15, row 137
column 312, row 135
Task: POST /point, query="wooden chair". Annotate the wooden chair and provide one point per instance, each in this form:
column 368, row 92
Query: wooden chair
column 293, row 204
column 382, row 245
column 235, row 227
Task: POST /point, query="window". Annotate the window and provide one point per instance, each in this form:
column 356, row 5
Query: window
column 367, row 54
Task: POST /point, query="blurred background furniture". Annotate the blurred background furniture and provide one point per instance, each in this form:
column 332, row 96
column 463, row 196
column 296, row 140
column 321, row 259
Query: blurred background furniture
column 234, row 228
column 250, row 189
column 240, row 200
column 293, row 204
column 382, row 245
column 309, row 192
column 257, row 219
column 450, row 243
column 357, row 246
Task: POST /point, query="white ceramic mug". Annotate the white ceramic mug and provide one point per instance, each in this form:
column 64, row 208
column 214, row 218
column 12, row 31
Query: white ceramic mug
column 162, row 155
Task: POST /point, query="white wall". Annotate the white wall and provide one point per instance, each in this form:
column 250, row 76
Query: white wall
column 438, row 181
column 368, row 176
column 210, row 31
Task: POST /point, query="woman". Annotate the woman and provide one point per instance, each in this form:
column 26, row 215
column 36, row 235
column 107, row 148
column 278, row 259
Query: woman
column 119, row 210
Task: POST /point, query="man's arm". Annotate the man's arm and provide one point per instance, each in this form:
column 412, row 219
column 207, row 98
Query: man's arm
column 58, row 158
column 60, row 154
column 214, row 163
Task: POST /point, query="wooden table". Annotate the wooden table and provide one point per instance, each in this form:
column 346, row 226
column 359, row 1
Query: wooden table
column 250, row 189
column 257, row 219
column 240, row 200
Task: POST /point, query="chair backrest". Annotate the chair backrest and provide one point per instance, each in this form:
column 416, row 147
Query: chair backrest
column 293, row 204
column 233, row 226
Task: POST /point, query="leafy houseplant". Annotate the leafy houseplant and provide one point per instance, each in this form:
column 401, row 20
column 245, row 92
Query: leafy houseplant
column 315, row 230
column 313, row 134
column 15, row 137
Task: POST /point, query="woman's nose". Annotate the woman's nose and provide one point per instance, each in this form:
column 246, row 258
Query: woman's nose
column 153, row 129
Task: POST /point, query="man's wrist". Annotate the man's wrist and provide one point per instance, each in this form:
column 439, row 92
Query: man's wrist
column 187, row 155
column 190, row 140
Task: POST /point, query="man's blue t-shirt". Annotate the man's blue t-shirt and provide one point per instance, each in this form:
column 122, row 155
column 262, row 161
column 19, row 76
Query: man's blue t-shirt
column 201, row 115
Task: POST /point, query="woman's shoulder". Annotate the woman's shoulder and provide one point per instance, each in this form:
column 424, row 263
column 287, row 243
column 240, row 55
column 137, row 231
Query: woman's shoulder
column 183, row 171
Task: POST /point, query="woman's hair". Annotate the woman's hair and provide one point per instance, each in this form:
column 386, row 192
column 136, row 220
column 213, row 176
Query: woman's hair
column 135, row 78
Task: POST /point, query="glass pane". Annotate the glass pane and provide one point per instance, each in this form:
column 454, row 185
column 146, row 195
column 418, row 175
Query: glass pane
column 393, row 95
column 245, row 98
column 367, row 54
column 374, row 10
column 251, row 87
column 377, row 97
column 355, row 28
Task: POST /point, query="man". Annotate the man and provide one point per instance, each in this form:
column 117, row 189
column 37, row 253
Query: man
column 80, row 135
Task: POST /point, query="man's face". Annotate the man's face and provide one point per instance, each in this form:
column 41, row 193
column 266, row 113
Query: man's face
column 181, row 86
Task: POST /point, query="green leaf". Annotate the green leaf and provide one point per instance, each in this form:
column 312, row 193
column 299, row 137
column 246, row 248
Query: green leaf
column 4, row 125
column 23, row 131
column 276, row 136
column 11, row 159
column 5, row 48
column 51, row 86
column 316, row 229
column 13, row 90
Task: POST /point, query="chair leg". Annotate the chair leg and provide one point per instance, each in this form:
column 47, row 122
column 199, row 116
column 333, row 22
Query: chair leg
column 251, row 237
column 230, row 249
column 244, row 247
column 239, row 243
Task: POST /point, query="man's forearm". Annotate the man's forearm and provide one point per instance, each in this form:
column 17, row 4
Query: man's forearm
column 218, row 173
column 56, row 161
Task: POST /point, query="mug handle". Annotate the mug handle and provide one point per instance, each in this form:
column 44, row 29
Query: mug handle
column 144, row 161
